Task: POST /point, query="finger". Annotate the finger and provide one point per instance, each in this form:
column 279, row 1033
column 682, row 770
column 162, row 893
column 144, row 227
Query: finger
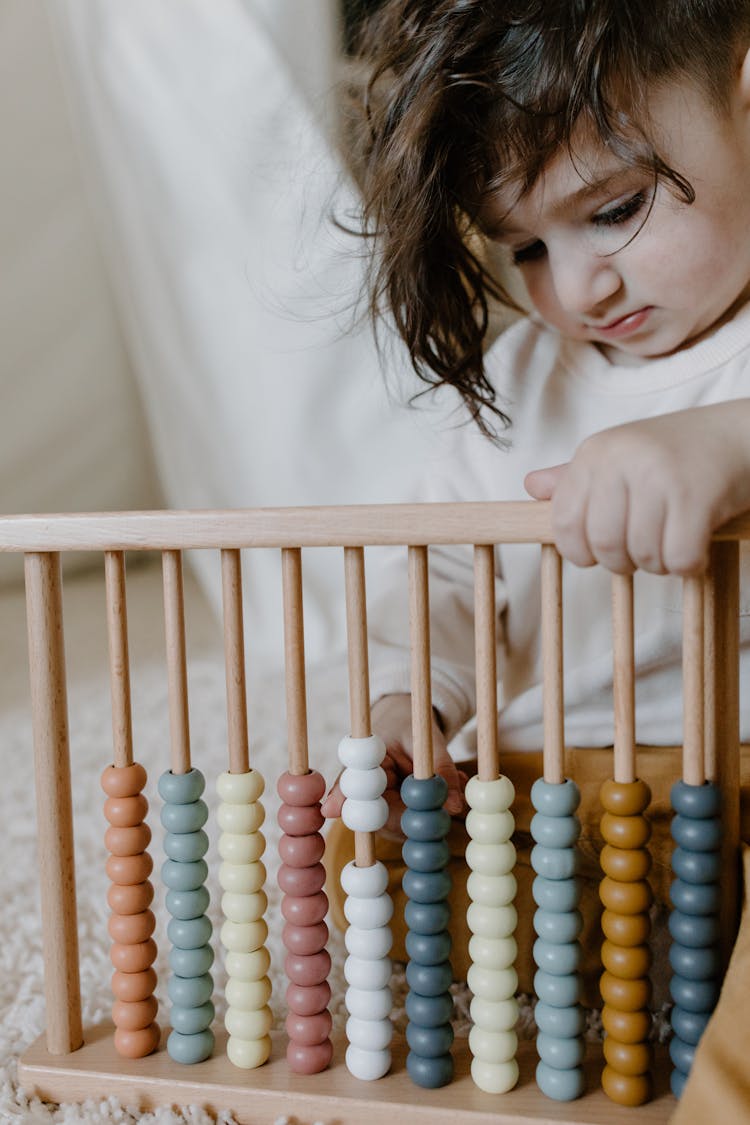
column 541, row 483
column 569, row 505
column 686, row 541
column 607, row 527
column 646, row 527
column 333, row 802
column 446, row 767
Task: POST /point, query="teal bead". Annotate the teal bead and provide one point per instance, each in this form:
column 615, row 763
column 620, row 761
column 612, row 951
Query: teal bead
column 191, row 962
column 186, row 847
column 427, row 917
column 423, row 793
column 429, row 980
column 697, row 964
column 682, row 1054
column 426, row 855
column 184, row 818
column 695, row 898
column 696, row 801
column 689, row 1025
column 557, row 926
column 429, row 1042
column 554, row 863
column 181, row 788
column 560, row 1053
column 555, row 800
column 558, row 991
column 694, row 930
column 189, row 1021
column 677, row 1082
column 428, row 949
column 429, row 1011
column 563, row 1022
column 559, row 896
column 184, row 876
column 696, row 835
column 190, row 1049
column 696, row 867
column 190, row 933
column 190, row 992
column 426, row 886
column 560, row 1085
column 694, row 995
column 430, row 1073
column 188, row 904
column 556, row 958
column 555, row 831
column 429, row 824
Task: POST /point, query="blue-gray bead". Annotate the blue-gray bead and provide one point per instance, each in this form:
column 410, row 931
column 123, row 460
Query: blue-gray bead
column 188, row 904
column 426, row 886
column 430, row 1073
column 184, row 876
column 555, row 831
column 557, row 991
column 689, row 1025
column 426, row 855
column 190, row 933
column 696, row 835
column 429, row 1011
column 429, row 824
column 429, row 1042
column 557, row 958
column 559, row 896
column 696, row 801
column 191, row 962
column 554, row 863
column 563, row 1022
column 190, row 992
column 694, row 995
column 677, row 1082
column 694, row 930
column 695, row 898
column 555, row 800
column 560, row 1053
column 697, row 964
column 427, row 917
column 424, row 793
column 560, row 1085
column 428, row 949
column 696, row 867
column 190, row 1049
column 189, row 1021
column 681, row 1054
column 181, row 788
column 554, row 925
column 429, row 980
column 184, row 818
column 185, row 847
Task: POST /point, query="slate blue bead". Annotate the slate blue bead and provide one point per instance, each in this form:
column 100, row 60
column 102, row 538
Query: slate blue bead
column 696, row 867
column 555, row 800
column 426, row 855
column 188, row 904
column 190, row 1049
column 184, row 876
column 695, row 898
column 554, row 863
column 694, row 995
column 429, row 1011
column 559, row 992
column 190, row 992
column 559, row 896
column 184, row 818
column 697, row 964
column 427, row 917
column 429, row 1042
column 677, row 1082
column 556, row 926
column 560, row 1085
column 430, row 1073
column 424, row 792
column 689, row 1025
column 681, row 1054
column 428, row 949
column 555, row 831
column 181, row 788
column 696, row 835
column 191, row 962
column 190, row 933
column 186, row 847
column 696, row 801
column 429, row 980
column 694, row 930
column 430, row 824
column 557, row 958
column 564, row 1022
column 560, row 1053
column 426, row 886
column 189, row 1021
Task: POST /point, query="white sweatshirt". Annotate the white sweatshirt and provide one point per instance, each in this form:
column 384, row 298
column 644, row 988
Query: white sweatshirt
column 557, row 392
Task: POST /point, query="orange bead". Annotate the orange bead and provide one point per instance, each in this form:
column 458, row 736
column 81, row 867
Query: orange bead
column 626, row 995
column 127, row 841
column 134, row 1015
column 628, row 962
column 131, row 928
column 125, row 812
column 625, row 798
column 133, row 958
column 137, row 1044
column 626, row 1089
column 628, row 865
column 626, row 929
column 625, row 831
column 126, row 870
column 130, row 900
column 626, row 1027
column 625, row 898
column 123, row 781
column 627, row 1058
column 132, row 987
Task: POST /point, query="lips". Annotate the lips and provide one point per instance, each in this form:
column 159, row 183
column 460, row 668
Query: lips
column 624, row 325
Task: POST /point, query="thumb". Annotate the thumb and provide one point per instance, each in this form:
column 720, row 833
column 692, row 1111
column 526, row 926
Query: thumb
column 541, row 483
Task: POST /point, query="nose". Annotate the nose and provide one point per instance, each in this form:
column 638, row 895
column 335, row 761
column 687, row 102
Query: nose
column 584, row 281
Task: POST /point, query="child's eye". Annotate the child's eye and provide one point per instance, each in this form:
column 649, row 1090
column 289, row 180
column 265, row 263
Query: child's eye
column 621, row 212
column 530, row 253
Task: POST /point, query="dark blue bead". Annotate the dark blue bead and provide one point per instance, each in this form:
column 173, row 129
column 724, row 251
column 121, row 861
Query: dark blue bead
column 424, row 793
column 426, row 886
column 426, row 855
column 695, row 898
column 559, row 896
column 430, row 1074
column 428, row 949
column 696, row 835
column 677, row 1082
column 694, row 995
column 694, row 930
column 429, row 1011
column 696, row 867
column 697, row 964
column 427, row 917
column 696, row 801
column 431, row 824
column 689, row 1025
column 429, row 1042
column 429, row 980
column 681, row 1054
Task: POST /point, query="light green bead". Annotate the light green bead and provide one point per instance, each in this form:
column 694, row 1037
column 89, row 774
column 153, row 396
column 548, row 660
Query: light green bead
column 190, row 992
column 560, row 1085
column 494, row 1078
column 554, row 863
column 557, row 958
column 249, row 1025
column 491, row 952
column 491, row 890
column 493, row 984
column 237, row 848
column 186, row 847
column 191, row 962
column 492, row 1046
column 494, row 1015
column 248, row 994
column 248, row 966
column 184, row 818
column 491, row 921
column 189, row 1021
column 244, row 908
column 490, row 828
column 491, row 859
column 562, row 1054
column 240, row 788
column 188, row 904
column 190, row 1049
column 555, row 831
column 181, row 788
column 242, row 878
column 248, row 1055
column 190, row 933
column 490, row 796
column 184, row 876
column 244, row 937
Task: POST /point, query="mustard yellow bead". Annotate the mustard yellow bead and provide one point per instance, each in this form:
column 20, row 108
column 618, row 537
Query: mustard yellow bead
column 627, row 865
column 626, row 995
column 625, row 898
column 626, row 929
column 625, row 798
column 628, row 962
column 626, row 1027
column 627, row 1058
column 626, row 1089
column 625, row 831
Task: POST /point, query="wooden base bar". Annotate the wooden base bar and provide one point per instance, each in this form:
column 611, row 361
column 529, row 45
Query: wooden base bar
column 260, row 1097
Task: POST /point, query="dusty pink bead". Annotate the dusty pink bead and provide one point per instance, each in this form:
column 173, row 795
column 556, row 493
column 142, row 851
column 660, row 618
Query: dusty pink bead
column 127, row 870
column 301, row 788
column 308, row 971
column 127, row 841
column 307, row 911
column 309, row 1060
column 123, row 781
column 308, row 1001
column 308, row 1031
column 302, row 851
column 304, row 940
column 125, row 812
column 300, row 820
column 301, row 880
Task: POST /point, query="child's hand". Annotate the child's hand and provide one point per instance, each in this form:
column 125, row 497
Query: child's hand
column 391, row 719
column 650, row 494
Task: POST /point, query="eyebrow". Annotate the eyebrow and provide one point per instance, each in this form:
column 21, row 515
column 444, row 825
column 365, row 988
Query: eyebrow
column 575, row 198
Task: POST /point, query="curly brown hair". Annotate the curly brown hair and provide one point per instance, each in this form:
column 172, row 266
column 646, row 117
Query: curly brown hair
column 466, row 96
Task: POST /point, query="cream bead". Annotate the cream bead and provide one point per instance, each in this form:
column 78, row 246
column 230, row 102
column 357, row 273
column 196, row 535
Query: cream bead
column 366, row 1065
column 248, row 966
column 235, row 847
column 248, row 1025
column 490, row 828
column 248, row 1054
column 491, row 952
column 493, row 984
column 248, row 994
column 363, row 785
column 361, row 753
column 365, row 973
column 243, row 937
column 365, row 816
column 368, row 913
column 494, row 1078
column 490, row 796
column 491, row 859
column 364, row 882
column 368, row 1003
column 244, row 908
column 372, row 1035
column 492, row 1046
column 491, row 921
column 491, row 890
column 240, row 788
column 368, row 943
column 240, row 819
column 494, row 1015
column 242, row 878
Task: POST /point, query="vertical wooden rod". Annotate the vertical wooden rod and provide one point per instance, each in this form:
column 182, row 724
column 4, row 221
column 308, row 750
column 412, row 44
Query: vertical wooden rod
column 294, row 660
column 234, row 661
column 693, row 767
column 174, row 625
column 485, row 662
column 552, row 666
column 49, row 708
column 421, row 681
column 359, row 674
column 623, row 648
column 119, row 662
column 710, row 657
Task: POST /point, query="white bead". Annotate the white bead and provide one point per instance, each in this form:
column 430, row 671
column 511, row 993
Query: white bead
column 491, row 921
column 249, row 1025
column 361, row 753
column 494, row 1015
column 368, row 913
column 242, row 878
column 491, row 952
column 244, row 908
column 363, row 785
column 491, row 890
column 240, row 788
column 361, row 973
column 368, row 943
column 490, row 827
column 368, row 1066
column 365, row 816
column 364, row 882
column 490, row 796
column 368, row 1003
column 493, row 984
column 494, row 1078
column 246, row 1054
column 373, row 1035
column 239, row 819
column 248, row 966
column 492, row 1046
column 491, row 859
column 238, row 847
column 247, row 994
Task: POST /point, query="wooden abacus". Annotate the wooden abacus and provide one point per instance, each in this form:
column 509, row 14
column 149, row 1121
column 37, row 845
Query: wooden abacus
column 260, row 1076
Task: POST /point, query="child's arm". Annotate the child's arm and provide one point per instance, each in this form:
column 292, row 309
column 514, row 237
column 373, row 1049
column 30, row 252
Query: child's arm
column 650, row 494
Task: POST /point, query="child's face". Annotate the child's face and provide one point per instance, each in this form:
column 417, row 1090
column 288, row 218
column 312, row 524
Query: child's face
column 599, row 266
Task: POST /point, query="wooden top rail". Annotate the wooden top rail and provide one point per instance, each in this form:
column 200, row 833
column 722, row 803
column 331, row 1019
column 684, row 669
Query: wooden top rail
column 359, row 525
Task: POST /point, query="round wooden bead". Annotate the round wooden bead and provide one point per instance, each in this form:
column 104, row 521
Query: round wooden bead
column 625, row 798
column 428, row 1011
column 301, row 851
column 695, row 898
column 491, row 921
column 190, row 992
column 689, row 1026
column 189, row 933
column 181, row 788
column 301, row 880
column 626, row 929
column 247, row 1054
column 625, row 831
column 373, row 944
column 244, row 908
column 490, row 796
column 556, row 957
column 563, row 1023
column 132, row 1044
column 694, row 995
column 188, row 904
column 130, row 928
column 696, row 867
column 364, row 882
column 426, row 886
column 249, row 966
column 560, row 1085
column 555, row 799
column 429, row 980
column 629, row 962
column 248, row 1024
column 494, row 1078
column 184, row 818
column 426, row 855
column 429, row 824
column 310, row 970
column 491, row 952
column 190, row 1021
column 191, row 962
column 366, row 973
column 367, row 1065
column 694, row 930
column 240, row 788
column 300, row 820
column 126, row 812
column 491, row 827
column 626, row 1089
column 492, row 1046
column 428, row 949
column 136, row 1014
column 184, row 876
column 555, row 831
column 560, row 1053
column 429, row 1042
column 625, row 995
column 248, row 994
column 133, row 958
column 696, row 835
column 677, row 1082
column 244, row 937
column 241, row 820
column 127, row 841
column 627, row 865
column 493, row 984
column 123, row 781
column 237, row 847
column 186, row 847
column 304, row 940
column 190, row 1049
column 127, row 870
column 426, row 918
column 494, row 1015
column 368, row 913
column 559, row 896
column 130, row 900
column 308, row 1001
column 696, row 801
column 373, row 1035
column 554, row 863
column 430, row 1073
column 308, row 911
column 682, row 1054
column 132, row 987
column 627, row 1058
column 424, row 793
column 558, row 927
column 626, row 1027
column 365, row 816
column 491, row 890
column 625, row 898
column 558, row 991
column 368, row 1003
column 309, row 1030
column 491, row 859
column 361, row 753
column 363, row 785
column 309, row 1060
column 301, row 790
column 242, row 878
